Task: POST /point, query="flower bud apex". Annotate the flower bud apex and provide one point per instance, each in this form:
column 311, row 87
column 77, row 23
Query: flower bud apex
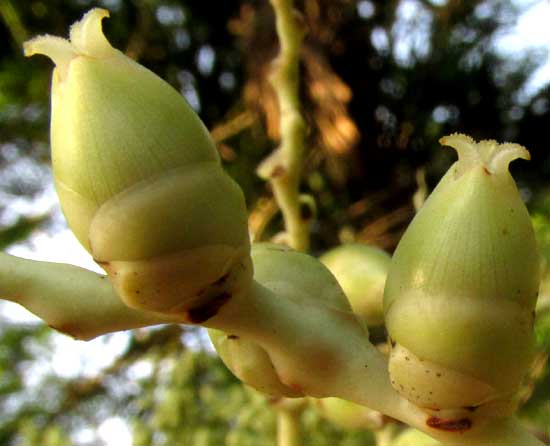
column 462, row 286
column 361, row 272
column 138, row 176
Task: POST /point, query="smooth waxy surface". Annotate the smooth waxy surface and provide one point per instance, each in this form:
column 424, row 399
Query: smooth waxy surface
column 361, row 272
column 139, row 178
column 114, row 123
column 464, row 279
column 287, row 274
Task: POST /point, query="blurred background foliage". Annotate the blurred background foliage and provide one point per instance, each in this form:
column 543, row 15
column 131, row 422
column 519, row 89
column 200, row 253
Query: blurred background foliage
column 382, row 82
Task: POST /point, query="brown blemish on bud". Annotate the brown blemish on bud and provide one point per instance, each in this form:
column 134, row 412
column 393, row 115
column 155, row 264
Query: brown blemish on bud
column 203, row 312
column 460, row 425
column 486, row 171
column 232, row 337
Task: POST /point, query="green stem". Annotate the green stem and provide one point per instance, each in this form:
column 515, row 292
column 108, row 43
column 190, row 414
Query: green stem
column 543, row 304
column 70, row 299
column 283, row 168
column 11, row 18
column 315, row 349
column 286, row 173
column 386, row 435
column 325, row 352
column 289, row 432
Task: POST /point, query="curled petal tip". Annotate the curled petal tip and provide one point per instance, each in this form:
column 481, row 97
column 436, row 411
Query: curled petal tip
column 87, row 36
column 489, row 153
column 465, row 146
column 59, row 50
column 505, row 154
column 456, row 137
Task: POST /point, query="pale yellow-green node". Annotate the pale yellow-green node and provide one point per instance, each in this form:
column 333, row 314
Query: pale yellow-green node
column 361, row 272
column 250, row 363
column 463, row 282
column 348, row 415
column 139, row 178
column 430, row 385
column 195, row 224
column 291, row 275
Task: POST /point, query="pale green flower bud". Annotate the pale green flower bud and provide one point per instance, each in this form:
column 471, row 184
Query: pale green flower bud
column 293, row 275
column 361, row 272
column 462, row 287
column 138, row 176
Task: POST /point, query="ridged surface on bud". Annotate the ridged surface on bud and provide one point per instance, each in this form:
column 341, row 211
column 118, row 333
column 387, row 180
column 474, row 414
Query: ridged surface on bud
column 361, row 272
column 286, row 273
column 138, row 176
column 462, row 287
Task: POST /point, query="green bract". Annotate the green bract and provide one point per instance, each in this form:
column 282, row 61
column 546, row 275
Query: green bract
column 461, row 290
column 361, row 272
column 139, row 178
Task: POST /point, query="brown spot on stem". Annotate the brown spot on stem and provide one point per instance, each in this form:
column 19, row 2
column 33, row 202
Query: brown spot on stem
column 232, row 337
column 486, row 171
column 460, row 425
column 471, row 408
column 203, row 312
column 278, row 171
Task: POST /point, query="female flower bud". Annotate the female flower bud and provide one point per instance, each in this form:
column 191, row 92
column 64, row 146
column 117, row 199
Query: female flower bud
column 286, row 273
column 138, row 177
column 361, row 272
column 462, row 287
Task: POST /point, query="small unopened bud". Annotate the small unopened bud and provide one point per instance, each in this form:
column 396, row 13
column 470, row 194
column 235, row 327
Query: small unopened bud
column 361, row 272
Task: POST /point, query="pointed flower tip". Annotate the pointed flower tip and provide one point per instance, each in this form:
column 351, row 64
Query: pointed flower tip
column 59, row 50
column 493, row 156
column 87, row 36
